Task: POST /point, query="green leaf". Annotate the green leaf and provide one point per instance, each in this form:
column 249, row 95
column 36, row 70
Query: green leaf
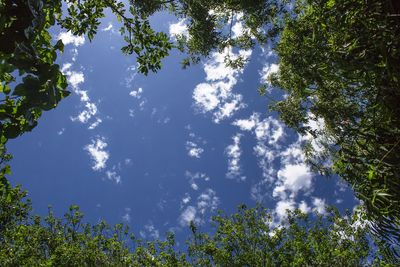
column 59, row 46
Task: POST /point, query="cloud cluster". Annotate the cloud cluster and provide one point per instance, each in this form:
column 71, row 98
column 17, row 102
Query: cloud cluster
column 194, row 177
column 193, row 149
column 216, row 94
column 193, row 145
column 207, row 202
column 284, row 169
column 268, row 133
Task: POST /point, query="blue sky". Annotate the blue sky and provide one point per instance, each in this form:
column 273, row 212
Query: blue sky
column 158, row 151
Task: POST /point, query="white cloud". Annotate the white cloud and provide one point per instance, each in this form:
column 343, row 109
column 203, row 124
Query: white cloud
column 282, row 207
column 227, row 109
column 193, row 149
column 108, row 28
column 128, row 161
column 85, row 115
column 293, row 154
column 74, row 53
column 193, row 177
column 179, row 28
column 185, row 200
column 268, row 129
column 268, row 133
column 304, row 208
column 113, row 176
column 233, row 152
column 248, row 124
column 294, row 178
column 150, row 231
column 319, row 205
column 66, row 67
column 95, row 124
column 69, row 38
column 61, row 132
column 205, row 97
column 207, row 201
column 75, row 78
column 127, row 216
column 215, row 95
column 238, row 29
column 267, row 71
column 136, row 94
column 98, row 153
column 130, row 77
column 188, row 215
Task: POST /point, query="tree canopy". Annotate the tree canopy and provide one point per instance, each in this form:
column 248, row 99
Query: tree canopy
column 245, row 238
column 339, row 64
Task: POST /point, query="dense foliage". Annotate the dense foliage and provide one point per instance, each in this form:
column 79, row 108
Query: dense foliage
column 246, row 238
column 340, row 67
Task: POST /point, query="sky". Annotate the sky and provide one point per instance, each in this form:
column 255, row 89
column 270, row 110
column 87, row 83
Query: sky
column 156, row 152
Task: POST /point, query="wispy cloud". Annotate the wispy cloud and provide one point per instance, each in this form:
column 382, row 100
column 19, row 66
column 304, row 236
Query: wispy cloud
column 207, row 202
column 61, row 132
column 113, row 176
column 195, row 177
column 150, row 231
column 75, row 78
column 233, row 153
column 109, row 28
column 127, row 215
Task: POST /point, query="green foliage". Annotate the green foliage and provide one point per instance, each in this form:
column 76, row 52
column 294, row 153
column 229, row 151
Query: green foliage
column 26, row 240
column 246, row 238
column 210, row 25
column 339, row 63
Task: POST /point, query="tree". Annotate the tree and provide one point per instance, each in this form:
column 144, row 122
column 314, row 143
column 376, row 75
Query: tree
column 27, row 240
column 339, row 64
column 246, row 238
column 249, row 238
